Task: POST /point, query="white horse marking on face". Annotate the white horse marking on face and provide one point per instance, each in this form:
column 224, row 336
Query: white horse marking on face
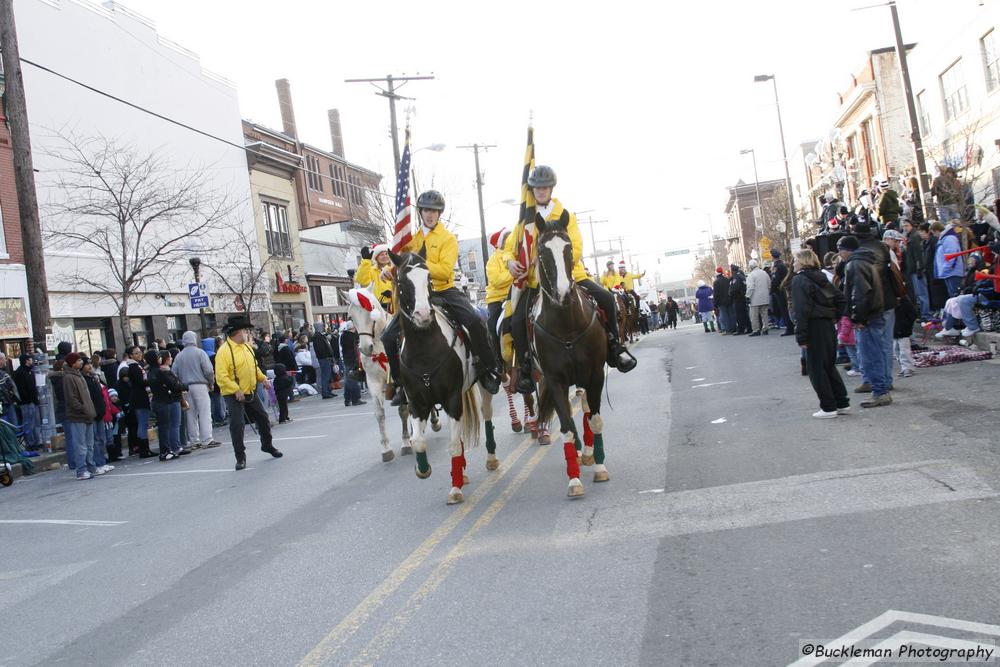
column 557, row 246
column 418, row 276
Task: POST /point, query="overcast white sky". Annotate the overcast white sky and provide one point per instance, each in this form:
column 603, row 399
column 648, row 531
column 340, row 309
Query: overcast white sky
column 640, row 107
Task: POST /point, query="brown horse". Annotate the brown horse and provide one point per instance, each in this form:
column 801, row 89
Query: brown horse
column 570, row 347
column 628, row 316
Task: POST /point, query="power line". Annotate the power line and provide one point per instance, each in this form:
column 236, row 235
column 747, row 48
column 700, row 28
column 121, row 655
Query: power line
column 203, row 133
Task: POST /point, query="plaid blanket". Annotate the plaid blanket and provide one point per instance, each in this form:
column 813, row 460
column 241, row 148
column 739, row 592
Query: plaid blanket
column 949, row 354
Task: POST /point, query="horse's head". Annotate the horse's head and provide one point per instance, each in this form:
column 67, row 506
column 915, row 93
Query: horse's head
column 368, row 316
column 555, row 262
column 413, row 288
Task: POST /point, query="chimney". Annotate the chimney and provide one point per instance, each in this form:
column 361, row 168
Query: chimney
column 336, row 135
column 287, row 110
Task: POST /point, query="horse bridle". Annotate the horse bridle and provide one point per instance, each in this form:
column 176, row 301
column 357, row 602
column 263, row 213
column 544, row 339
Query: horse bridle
column 541, row 283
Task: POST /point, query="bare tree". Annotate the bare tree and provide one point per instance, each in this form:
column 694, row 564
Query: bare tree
column 963, row 154
column 138, row 214
column 242, row 268
column 704, row 269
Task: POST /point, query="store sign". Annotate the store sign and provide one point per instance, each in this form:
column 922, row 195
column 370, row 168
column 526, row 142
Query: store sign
column 13, row 318
column 330, row 295
column 289, row 287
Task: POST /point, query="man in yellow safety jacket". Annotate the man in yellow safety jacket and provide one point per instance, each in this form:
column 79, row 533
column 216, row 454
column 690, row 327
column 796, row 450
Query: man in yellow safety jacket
column 541, row 181
column 237, row 374
column 441, row 252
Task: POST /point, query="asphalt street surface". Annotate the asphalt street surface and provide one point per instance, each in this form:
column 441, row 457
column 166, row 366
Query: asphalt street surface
column 735, row 530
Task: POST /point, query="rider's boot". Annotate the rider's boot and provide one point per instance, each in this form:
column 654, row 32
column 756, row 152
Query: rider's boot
column 399, row 397
column 525, row 383
column 488, row 376
column 619, row 357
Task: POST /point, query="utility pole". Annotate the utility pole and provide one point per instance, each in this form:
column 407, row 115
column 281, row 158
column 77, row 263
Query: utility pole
column 593, row 242
column 24, row 177
column 390, row 93
column 482, row 212
column 911, row 108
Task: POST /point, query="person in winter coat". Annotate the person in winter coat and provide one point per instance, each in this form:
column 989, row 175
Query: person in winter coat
column 352, row 365
column 102, row 437
column 889, row 208
column 672, row 310
column 779, row 303
column 282, row 391
column 913, row 269
column 705, row 306
column 324, row 355
column 720, row 298
column 937, row 293
column 906, row 315
column 866, row 308
column 127, row 422
column 740, row 313
column 951, row 271
column 818, row 305
column 139, row 397
column 80, row 416
column 167, row 393
column 27, row 391
column 194, row 369
column 758, row 296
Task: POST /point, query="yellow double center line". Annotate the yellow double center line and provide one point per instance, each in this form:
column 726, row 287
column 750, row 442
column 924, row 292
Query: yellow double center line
column 351, row 623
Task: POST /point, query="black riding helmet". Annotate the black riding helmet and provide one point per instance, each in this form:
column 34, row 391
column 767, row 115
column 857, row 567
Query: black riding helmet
column 431, row 199
column 542, row 177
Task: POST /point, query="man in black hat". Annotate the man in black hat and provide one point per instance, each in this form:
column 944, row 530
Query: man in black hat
column 237, row 374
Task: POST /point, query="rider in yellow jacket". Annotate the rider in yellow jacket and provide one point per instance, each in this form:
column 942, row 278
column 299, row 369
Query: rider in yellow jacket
column 374, row 274
column 498, row 282
column 541, row 181
column 440, row 249
column 610, row 279
column 627, row 280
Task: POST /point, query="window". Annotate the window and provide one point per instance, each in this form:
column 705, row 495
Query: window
column 276, row 230
column 473, row 261
column 334, row 181
column 991, row 60
column 924, row 120
column 313, row 173
column 956, row 98
column 290, row 315
column 175, row 327
column 142, row 330
column 316, row 295
column 871, row 154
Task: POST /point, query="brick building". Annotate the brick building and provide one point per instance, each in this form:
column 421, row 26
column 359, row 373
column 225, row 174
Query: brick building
column 743, row 230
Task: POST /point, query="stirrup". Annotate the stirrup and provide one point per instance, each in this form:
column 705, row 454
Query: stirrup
column 525, row 383
column 400, row 398
column 624, row 360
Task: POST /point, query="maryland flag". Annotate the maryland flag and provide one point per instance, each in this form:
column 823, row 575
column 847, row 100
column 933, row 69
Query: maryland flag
column 524, row 240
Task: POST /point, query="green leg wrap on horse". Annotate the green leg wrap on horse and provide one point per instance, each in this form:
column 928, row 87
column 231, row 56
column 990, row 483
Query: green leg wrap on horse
column 576, row 441
column 491, row 443
column 598, row 448
column 422, row 464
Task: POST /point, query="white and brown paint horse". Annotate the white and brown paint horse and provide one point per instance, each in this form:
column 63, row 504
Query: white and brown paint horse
column 370, row 320
column 436, row 369
column 570, row 348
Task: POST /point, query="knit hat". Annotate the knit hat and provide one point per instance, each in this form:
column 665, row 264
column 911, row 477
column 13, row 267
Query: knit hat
column 848, row 243
column 775, row 253
column 497, row 238
column 189, row 338
column 754, row 264
column 892, row 235
column 71, row 358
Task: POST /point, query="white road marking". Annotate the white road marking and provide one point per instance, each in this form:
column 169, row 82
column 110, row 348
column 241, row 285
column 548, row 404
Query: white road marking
column 712, row 384
column 256, row 441
column 171, row 472
column 653, row 491
column 883, row 621
column 690, row 368
column 720, row 420
column 697, row 379
column 350, row 414
column 63, row 522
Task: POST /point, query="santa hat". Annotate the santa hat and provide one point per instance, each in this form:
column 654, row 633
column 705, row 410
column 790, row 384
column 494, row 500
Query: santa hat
column 497, row 238
column 621, row 264
column 379, row 248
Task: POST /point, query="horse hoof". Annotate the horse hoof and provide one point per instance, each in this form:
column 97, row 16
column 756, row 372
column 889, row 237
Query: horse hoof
column 423, row 475
column 406, row 450
column 544, row 439
column 533, row 427
column 575, row 489
column 465, row 479
column 455, row 497
column 516, row 426
column 491, row 462
column 388, row 455
column 587, row 460
column 601, row 476
column 436, row 426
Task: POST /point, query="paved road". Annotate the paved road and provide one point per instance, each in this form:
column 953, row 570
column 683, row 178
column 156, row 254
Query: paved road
column 716, row 543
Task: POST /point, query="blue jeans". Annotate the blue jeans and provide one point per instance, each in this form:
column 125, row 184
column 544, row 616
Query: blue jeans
column 953, row 284
column 966, row 304
column 102, row 438
column 871, row 347
column 723, row 318
column 218, row 407
column 142, row 423
column 890, row 324
column 83, row 444
column 168, row 426
column 352, row 391
column 29, row 421
column 325, row 376
column 923, row 296
column 852, row 354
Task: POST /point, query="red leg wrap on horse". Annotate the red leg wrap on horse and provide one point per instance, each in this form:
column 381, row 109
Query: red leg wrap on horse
column 572, row 467
column 510, row 404
column 456, row 471
column 588, row 435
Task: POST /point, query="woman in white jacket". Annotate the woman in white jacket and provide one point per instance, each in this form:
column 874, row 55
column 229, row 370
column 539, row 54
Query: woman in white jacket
column 758, row 296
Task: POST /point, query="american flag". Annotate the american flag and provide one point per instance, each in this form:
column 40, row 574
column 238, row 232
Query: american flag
column 402, row 235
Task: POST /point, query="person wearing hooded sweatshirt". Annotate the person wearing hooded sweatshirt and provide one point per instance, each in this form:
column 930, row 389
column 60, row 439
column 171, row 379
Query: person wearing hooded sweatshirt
column 705, row 306
column 818, row 305
column 866, row 309
column 951, row 271
column 759, row 296
column 194, row 369
column 720, row 299
column 27, row 391
column 80, row 416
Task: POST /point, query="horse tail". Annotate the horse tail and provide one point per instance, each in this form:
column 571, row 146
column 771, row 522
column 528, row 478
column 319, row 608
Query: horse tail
column 471, row 416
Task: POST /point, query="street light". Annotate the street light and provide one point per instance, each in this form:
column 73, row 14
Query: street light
column 760, row 78
column 760, row 209
column 711, row 231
